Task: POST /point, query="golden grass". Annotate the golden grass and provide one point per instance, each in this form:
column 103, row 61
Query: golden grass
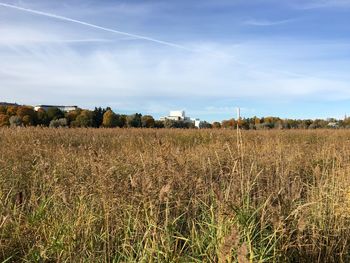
column 121, row 195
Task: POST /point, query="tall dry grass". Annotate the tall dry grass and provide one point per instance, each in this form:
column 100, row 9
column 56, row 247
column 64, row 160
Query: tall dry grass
column 85, row 195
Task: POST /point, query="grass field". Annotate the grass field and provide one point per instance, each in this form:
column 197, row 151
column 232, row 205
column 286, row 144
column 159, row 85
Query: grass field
column 122, row 195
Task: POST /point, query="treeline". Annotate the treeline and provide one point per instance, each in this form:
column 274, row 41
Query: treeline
column 54, row 117
column 104, row 117
column 99, row 117
column 267, row 123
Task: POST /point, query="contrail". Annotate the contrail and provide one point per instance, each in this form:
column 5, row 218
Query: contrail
column 63, row 18
column 135, row 36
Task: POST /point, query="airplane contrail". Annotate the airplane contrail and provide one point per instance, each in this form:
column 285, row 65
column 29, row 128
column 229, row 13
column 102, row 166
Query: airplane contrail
column 63, row 18
column 158, row 41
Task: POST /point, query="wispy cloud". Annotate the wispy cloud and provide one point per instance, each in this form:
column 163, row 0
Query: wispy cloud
column 170, row 76
column 257, row 22
column 316, row 4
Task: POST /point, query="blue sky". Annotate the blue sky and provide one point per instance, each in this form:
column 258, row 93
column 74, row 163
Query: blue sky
column 286, row 58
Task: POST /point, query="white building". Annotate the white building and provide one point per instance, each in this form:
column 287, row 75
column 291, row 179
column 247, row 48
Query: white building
column 198, row 123
column 62, row 108
column 181, row 116
column 176, row 116
column 333, row 125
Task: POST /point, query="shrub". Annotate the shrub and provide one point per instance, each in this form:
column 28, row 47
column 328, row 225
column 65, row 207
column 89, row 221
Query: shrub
column 58, row 123
column 15, row 121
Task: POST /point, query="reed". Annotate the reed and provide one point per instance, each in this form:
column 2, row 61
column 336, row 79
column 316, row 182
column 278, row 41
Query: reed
column 136, row 195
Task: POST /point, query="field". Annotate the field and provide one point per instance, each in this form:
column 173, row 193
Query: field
column 135, row 195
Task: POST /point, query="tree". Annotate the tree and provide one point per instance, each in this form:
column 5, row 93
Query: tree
column 27, row 115
column 170, row 124
column 84, row 119
column 304, row 124
column 71, row 116
column 27, row 120
column 109, row 119
column 54, row 114
column 134, row 120
column 25, row 110
column 42, row 118
column 256, row 121
column 216, row 125
column 11, row 111
column 178, row 124
column 3, row 110
column 123, row 122
column 4, row 120
column 158, row 124
column 147, row 121
column 346, row 123
column 98, row 114
column 229, row 123
column 205, row 125
column 244, row 124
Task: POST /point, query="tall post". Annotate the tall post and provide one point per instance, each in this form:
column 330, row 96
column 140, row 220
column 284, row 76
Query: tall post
column 238, row 117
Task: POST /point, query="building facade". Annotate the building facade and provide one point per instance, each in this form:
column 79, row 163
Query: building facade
column 176, row 116
column 181, row 116
column 62, row 108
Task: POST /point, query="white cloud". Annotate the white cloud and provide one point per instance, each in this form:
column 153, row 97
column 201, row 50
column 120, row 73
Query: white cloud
column 62, row 74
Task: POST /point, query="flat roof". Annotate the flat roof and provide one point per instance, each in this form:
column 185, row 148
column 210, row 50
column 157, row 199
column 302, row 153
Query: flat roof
column 54, row 106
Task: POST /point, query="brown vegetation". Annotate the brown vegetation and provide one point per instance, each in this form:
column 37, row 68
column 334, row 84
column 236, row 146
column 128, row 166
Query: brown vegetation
column 123, row 195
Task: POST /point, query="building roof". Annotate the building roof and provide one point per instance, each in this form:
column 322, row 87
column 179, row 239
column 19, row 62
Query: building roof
column 55, row 106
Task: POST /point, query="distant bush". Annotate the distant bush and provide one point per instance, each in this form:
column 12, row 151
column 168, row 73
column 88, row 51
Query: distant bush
column 178, row 124
column 15, row 121
column 59, row 123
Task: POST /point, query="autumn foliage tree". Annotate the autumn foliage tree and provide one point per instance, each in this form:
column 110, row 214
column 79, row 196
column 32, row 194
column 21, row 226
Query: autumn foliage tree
column 109, row 119
column 54, row 114
column 229, row 123
column 84, row 119
column 147, row 121
column 27, row 115
column 3, row 110
column 216, row 125
column 11, row 111
column 4, row 120
column 15, row 115
column 72, row 115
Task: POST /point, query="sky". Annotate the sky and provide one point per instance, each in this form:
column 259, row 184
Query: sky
column 287, row 58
